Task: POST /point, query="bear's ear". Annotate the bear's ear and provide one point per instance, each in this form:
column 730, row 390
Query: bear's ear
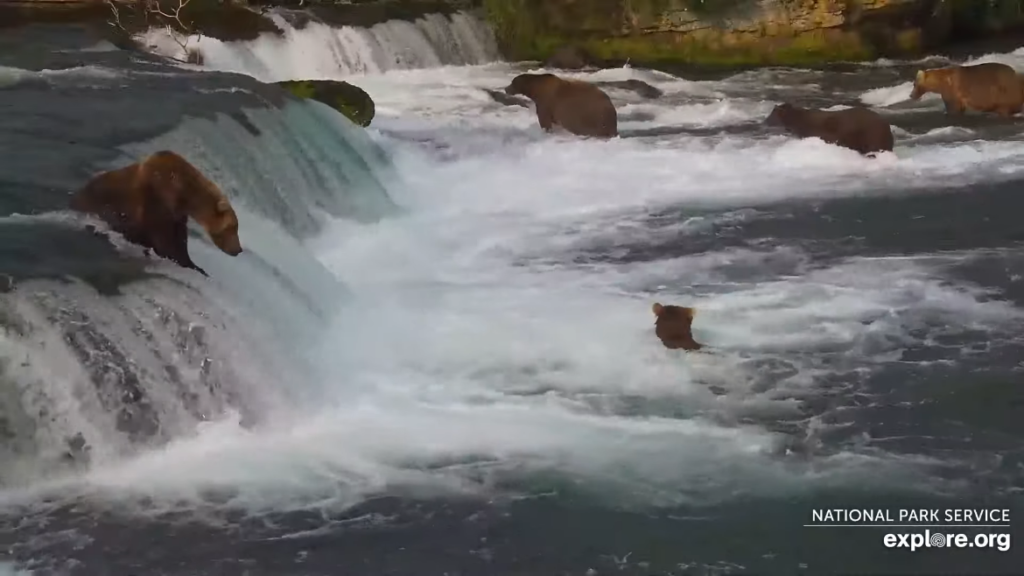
column 658, row 309
column 920, row 76
column 690, row 312
column 223, row 206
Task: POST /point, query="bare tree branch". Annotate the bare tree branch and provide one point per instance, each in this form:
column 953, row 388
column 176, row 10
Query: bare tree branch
column 116, row 15
column 180, row 34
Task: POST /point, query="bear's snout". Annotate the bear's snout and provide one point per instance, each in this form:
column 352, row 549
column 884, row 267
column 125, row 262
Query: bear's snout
column 231, row 246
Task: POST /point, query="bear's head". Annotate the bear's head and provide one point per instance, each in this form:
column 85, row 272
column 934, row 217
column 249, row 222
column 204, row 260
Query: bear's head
column 527, row 84
column 782, row 115
column 221, row 224
column 195, row 194
column 673, row 326
column 932, row 80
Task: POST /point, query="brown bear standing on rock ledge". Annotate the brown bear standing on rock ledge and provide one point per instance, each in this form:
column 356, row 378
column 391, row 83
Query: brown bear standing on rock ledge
column 856, row 128
column 673, row 326
column 149, row 203
column 579, row 107
column 988, row 87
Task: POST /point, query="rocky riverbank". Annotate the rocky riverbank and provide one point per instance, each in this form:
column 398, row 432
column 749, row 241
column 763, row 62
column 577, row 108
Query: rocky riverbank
column 743, row 32
column 715, row 33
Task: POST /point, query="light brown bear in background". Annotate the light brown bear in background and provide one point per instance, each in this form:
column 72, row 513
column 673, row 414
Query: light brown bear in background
column 149, row 203
column 858, row 128
column 673, row 326
column 988, row 87
column 579, row 107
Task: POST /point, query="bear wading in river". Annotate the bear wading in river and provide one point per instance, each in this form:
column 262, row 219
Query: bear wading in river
column 150, row 202
column 988, row 87
column 579, row 107
column 855, row 128
column 673, row 326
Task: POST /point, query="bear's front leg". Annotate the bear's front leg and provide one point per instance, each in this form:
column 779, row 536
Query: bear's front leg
column 953, row 106
column 173, row 245
column 546, row 119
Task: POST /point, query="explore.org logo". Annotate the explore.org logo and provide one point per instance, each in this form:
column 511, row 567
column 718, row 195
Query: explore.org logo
column 930, row 524
column 929, row 539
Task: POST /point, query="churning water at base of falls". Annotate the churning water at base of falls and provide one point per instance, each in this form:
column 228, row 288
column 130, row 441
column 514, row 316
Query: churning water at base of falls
column 437, row 354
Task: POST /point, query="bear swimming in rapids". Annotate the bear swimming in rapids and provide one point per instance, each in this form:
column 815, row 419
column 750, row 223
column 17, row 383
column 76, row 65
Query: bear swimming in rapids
column 579, row 107
column 857, row 128
column 150, row 202
column 673, row 326
column 987, row 87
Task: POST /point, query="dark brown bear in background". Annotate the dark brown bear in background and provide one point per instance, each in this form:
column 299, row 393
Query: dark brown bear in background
column 579, row 107
column 855, row 128
column 149, row 203
column 673, row 326
column 988, row 87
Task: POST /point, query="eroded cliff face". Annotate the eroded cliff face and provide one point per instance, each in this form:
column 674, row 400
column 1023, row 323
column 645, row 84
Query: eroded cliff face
column 739, row 32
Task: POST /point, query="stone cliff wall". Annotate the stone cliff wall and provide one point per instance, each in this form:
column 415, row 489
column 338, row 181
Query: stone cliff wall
column 705, row 32
column 741, row 32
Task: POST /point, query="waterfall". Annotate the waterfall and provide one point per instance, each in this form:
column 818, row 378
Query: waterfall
column 94, row 370
column 317, row 50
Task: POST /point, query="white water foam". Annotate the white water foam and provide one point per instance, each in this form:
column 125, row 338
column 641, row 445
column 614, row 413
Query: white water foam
column 321, row 51
column 9, row 570
column 83, row 76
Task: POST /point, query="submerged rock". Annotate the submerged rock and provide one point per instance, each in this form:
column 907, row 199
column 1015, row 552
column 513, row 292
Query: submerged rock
column 350, row 100
column 640, row 87
column 507, row 99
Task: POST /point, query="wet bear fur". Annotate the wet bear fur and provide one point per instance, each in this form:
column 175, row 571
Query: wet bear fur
column 858, row 128
column 988, row 87
column 673, row 326
column 150, row 202
column 579, row 107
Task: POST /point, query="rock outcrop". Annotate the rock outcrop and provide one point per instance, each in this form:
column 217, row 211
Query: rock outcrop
column 739, row 32
column 225, row 20
column 350, row 100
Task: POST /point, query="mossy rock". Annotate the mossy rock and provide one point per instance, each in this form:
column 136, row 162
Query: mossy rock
column 350, row 100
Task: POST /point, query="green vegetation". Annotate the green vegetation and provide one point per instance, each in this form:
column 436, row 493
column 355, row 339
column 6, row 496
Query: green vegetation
column 699, row 32
column 513, row 27
column 527, row 30
column 350, row 100
column 805, row 49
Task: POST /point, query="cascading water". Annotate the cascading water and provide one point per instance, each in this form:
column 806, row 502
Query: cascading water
column 322, row 51
column 92, row 369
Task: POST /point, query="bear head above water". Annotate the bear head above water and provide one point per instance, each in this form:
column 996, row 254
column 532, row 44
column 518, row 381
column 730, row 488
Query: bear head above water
column 673, row 326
